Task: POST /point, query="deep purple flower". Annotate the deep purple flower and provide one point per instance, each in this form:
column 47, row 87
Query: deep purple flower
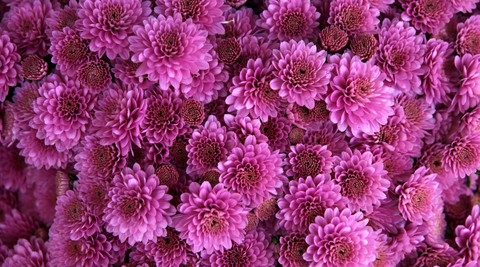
column 361, row 179
column 467, row 95
column 63, row 112
column 94, row 190
column 13, row 169
column 192, row 112
column 63, row 18
column 10, row 70
column 461, row 156
column 210, row 218
column 292, row 250
column 364, row 45
column 340, row 238
column 328, row 135
column 253, row 171
column 170, row 50
column 290, row 20
column 353, row 16
column 31, row 252
column 118, row 116
column 276, row 130
column 428, row 16
column 301, row 73
column 358, row 98
column 307, row 199
column 244, row 126
column 208, row 146
column 95, row 75
column 17, row 225
column 308, row 160
column 33, row 67
column 139, row 209
column 125, row 70
column 162, row 122
column 23, row 100
column 108, row 24
column 467, row 236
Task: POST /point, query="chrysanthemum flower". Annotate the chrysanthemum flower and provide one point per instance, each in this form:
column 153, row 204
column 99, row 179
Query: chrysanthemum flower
column 358, row 98
column 435, row 82
column 139, row 209
column 252, row 94
column 118, row 116
column 125, row 70
column 418, row 115
column 9, row 127
column 32, row 252
column 210, row 218
column 26, row 26
column 440, row 254
column 89, row 251
column 33, row 67
column 170, row 50
column 167, row 175
column 177, row 152
column 361, row 179
column 461, row 156
column 353, row 16
column 255, row 250
column 192, row 112
column 400, row 56
column 292, row 250
column 467, row 236
column 69, row 51
column 44, row 193
column 65, row 17
column 94, row 190
column 290, row 20
column 340, row 238
column 241, row 22
column 386, row 217
column 63, row 112
column 467, row 96
column 308, row 160
column 229, row 50
column 464, row 6
column 427, row 16
column 276, row 130
column 301, row 73
column 23, row 100
column 9, row 60
column 108, row 24
column 364, row 45
column 307, row 199
column 333, row 38
column 468, row 36
column 253, row 171
column 327, row 134
column 13, row 169
column 95, row 75
column 419, row 196
column 244, row 126
column 296, row 135
column 207, row 14
column 208, row 146
column 17, row 225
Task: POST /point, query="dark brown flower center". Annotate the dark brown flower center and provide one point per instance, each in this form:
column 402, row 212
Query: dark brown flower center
column 159, row 113
column 113, row 15
column 364, row 45
column 74, row 49
column 209, row 153
column 340, row 252
column 310, row 211
column 350, row 19
column 178, row 152
column 301, row 72
column 387, row 134
column 430, row 7
column 396, row 59
column 129, row 206
column 188, row 8
column 309, row 164
column 96, row 74
column 320, row 113
column 74, row 210
column 69, row 106
column 102, row 156
column 229, row 50
column 212, row 177
column 354, row 183
column 293, row 22
column 74, row 248
column 167, row 175
column 236, row 256
column 214, row 224
column 472, row 42
column 192, row 112
column 169, row 43
column 333, row 38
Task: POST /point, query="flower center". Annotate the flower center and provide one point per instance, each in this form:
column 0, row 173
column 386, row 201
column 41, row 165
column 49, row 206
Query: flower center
column 192, row 112
column 309, row 164
column 178, row 152
column 102, row 155
column 209, row 153
column 95, row 74
column 320, row 113
column 387, row 134
column 74, row 50
column 301, row 72
column 293, row 22
column 188, row 8
column 69, row 106
column 396, row 59
column 229, row 50
column 112, row 16
column 472, row 42
column 213, row 224
column 247, row 175
column 297, row 249
column 167, row 175
column 236, row 256
column 412, row 111
column 129, row 206
column 159, row 114
column 350, row 19
column 266, row 93
column 419, row 199
column 311, row 210
column 361, row 87
column 99, row 194
column 169, row 43
column 33, row 67
column 74, row 248
column 74, row 210
column 212, row 177
column 466, row 156
column 340, row 251
column 430, row 7
column 354, row 184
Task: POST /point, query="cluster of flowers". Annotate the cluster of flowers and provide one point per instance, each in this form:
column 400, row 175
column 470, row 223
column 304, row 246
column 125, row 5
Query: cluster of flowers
column 239, row 133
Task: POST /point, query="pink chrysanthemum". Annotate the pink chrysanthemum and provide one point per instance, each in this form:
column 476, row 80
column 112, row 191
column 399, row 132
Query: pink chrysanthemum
column 418, row 115
column 440, row 254
column 276, row 130
column 207, row 14
column 290, row 20
column 428, row 16
column 419, row 196
column 12, row 170
column 192, row 112
column 340, row 238
column 301, row 73
column 17, row 225
column 400, row 56
column 464, row 6
column 468, row 36
column 73, row 217
column 44, row 193
column 94, row 159
column 333, row 39
column 210, row 218
column 253, row 171
column 139, row 209
column 361, row 179
column 109, row 23
column 467, row 236
column 125, row 70
column 307, row 199
column 118, row 116
column 386, row 217
column 94, row 190
column 255, row 250
column 241, row 22
column 162, row 122
column 23, row 99
column 95, row 75
column 40, row 155
column 26, row 26
column 435, row 83
column 9, row 60
column 208, row 146
column 9, row 127
column 353, row 16
column 462, row 155
column 358, row 98
column 251, row 93
column 33, row 68
column 90, row 251
column 328, row 135
column 69, row 51
column 467, row 95
column 63, row 18
column 244, row 126
column 63, row 112
column 292, row 250
column 29, row 253
column 308, row 160
column 170, row 50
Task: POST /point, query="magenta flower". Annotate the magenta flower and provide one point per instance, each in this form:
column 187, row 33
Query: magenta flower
column 253, row 171
column 427, row 16
column 23, row 100
column 461, row 156
column 31, row 252
column 308, row 160
column 467, row 236
column 301, row 75
column 208, row 146
column 95, row 75
column 33, row 68
column 307, row 199
column 13, row 169
column 340, row 238
column 468, row 34
column 277, row 130
column 16, row 225
column 290, row 20
column 108, row 24
column 244, row 127
column 353, row 16
column 210, row 218
column 62, row 18
column 139, row 209
column 358, row 98
column 125, row 70
column 467, row 95
column 292, row 250
column 63, row 112
column 170, row 50
column 9, row 60
column 94, row 190
column 328, row 135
